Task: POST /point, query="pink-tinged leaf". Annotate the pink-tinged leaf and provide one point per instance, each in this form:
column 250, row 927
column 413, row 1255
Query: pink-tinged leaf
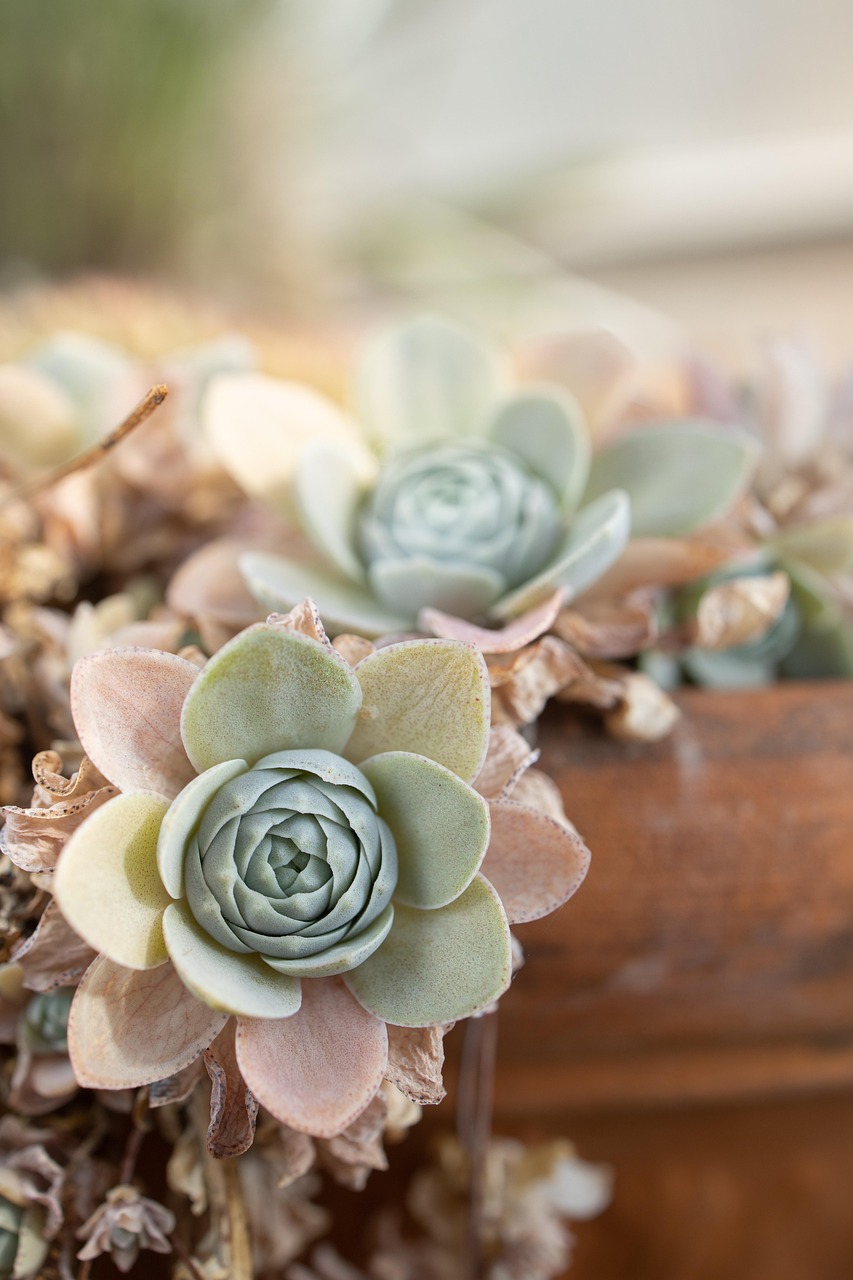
column 53, row 956
column 661, row 562
column 515, row 635
column 210, row 590
column 233, row 1107
column 508, row 758
column 130, row 1027
column 34, row 838
column 319, row 1069
column 415, row 1061
column 126, row 705
column 535, row 863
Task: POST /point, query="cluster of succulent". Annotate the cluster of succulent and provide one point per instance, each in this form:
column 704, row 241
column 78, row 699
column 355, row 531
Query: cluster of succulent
column 799, row 519
column 270, row 859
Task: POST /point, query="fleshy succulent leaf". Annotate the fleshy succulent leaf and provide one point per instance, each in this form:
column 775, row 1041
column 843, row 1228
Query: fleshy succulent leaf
column 279, row 583
column 430, row 697
column 269, row 690
column 328, row 490
column 318, row 1070
column 107, row 884
column 416, row 583
column 440, row 825
column 340, row 956
column 226, row 981
column 258, row 427
column 825, row 546
column 678, row 475
column 425, row 380
column 545, row 427
column 597, row 537
column 438, row 966
column 126, row 705
column 127, row 1029
column 183, row 816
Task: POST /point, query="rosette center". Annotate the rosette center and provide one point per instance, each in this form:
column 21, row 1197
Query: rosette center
column 290, row 860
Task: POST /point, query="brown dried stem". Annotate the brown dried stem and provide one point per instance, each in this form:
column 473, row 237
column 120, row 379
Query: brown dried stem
column 97, row 452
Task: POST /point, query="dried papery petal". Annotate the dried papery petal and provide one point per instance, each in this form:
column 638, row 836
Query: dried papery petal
column 233, row 1107
column 47, row 772
column 127, row 710
column 353, row 648
column 608, row 628
column 124, row 1224
column 535, row 863
column 319, row 1069
column 415, row 1062
column 740, row 611
column 304, row 618
column 176, row 1088
column 209, row 590
column 35, row 838
column 644, row 714
column 128, row 1027
column 351, row 1156
column 297, row 1155
column 523, row 682
column 507, row 639
column 53, row 956
column 508, row 757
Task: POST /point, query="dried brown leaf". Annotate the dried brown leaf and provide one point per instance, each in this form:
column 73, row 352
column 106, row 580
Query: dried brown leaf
column 233, row 1107
column 523, row 682
column 53, row 956
column 645, row 713
column 415, row 1061
column 35, row 838
column 740, row 611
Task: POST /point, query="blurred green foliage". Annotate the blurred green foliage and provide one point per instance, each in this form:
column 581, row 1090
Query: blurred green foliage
column 111, row 120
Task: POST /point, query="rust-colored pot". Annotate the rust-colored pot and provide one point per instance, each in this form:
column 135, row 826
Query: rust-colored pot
column 709, row 953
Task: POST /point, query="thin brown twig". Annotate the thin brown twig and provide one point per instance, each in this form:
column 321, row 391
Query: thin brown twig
column 149, row 402
column 474, row 1125
column 186, row 1258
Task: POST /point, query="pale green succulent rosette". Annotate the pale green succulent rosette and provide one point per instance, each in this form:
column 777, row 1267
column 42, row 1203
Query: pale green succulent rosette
column 451, row 492
column 283, row 819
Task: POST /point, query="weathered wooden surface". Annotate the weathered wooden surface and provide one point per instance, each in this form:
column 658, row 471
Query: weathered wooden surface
column 709, row 954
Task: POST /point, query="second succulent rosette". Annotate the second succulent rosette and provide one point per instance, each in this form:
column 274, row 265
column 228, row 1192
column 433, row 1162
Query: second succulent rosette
column 296, row 843
column 450, row 489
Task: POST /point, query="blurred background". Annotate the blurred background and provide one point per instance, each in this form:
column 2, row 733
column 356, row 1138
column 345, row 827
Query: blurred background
column 532, row 161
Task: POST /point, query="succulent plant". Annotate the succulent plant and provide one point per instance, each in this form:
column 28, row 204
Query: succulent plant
column 23, row 1247
column 297, row 843
column 454, row 494
column 45, row 1022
